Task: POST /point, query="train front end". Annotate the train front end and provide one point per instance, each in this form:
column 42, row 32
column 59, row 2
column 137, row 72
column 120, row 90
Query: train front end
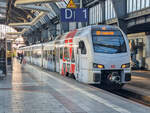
column 111, row 56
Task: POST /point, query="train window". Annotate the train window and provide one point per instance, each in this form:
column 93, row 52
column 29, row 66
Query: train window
column 28, row 53
column 48, row 54
column 44, row 54
column 31, row 53
column 73, row 58
column 66, row 53
column 61, row 53
column 38, row 53
column 54, row 54
column 35, row 54
column 51, row 55
column 57, row 54
column 82, row 47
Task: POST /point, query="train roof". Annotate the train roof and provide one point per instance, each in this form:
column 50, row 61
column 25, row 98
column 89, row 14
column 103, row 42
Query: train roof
column 107, row 27
column 75, row 33
column 79, row 31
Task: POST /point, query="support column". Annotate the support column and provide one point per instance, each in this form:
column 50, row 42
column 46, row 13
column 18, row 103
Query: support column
column 120, row 7
column 52, row 31
column 33, row 42
column 27, row 40
column 33, row 37
column 148, row 51
column 38, row 34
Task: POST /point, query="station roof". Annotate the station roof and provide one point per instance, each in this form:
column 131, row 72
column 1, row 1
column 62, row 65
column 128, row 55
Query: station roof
column 32, row 14
column 9, row 13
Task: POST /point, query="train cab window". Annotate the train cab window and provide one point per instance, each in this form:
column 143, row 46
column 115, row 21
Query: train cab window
column 82, row 47
column 108, row 42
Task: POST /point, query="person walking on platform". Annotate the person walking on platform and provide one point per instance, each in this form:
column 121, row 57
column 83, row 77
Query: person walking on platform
column 21, row 58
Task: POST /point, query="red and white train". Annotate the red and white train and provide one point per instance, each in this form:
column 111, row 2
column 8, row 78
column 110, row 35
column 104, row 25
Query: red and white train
column 94, row 55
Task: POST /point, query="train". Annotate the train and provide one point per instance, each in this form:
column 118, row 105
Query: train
column 97, row 54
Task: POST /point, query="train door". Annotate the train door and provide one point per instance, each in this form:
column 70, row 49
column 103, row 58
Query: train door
column 61, row 61
column 81, row 61
column 57, row 59
column 42, row 55
column 77, row 62
column 54, row 60
column 30, row 55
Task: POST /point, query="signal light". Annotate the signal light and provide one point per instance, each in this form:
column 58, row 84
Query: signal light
column 98, row 66
column 125, row 65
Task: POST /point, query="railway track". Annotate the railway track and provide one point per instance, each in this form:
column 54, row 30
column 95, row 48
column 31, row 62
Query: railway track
column 145, row 100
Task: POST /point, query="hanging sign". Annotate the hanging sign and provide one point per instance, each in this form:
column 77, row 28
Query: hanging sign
column 71, row 4
column 74, row 15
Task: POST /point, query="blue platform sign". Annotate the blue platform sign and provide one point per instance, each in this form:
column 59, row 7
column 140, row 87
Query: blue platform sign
column 74, row 15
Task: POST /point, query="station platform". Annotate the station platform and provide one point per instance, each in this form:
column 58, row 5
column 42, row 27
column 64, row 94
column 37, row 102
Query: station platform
column 29, row 89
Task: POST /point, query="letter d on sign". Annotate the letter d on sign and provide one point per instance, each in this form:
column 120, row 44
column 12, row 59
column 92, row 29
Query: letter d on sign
column 68, row 14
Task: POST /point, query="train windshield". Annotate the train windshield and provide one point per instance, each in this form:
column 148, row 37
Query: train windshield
column 109, row 42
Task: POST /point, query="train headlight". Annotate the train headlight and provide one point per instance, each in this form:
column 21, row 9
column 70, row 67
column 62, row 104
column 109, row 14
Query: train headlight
column 126, row 65
column 98, row 66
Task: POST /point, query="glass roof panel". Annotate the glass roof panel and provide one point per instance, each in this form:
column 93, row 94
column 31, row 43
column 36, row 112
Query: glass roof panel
column 36, row 13
column 3, row 6
column 51, row 10
column 62, row 4
column 52, row 13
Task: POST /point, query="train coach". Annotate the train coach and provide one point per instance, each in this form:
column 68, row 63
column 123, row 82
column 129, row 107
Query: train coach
column 97, row 54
